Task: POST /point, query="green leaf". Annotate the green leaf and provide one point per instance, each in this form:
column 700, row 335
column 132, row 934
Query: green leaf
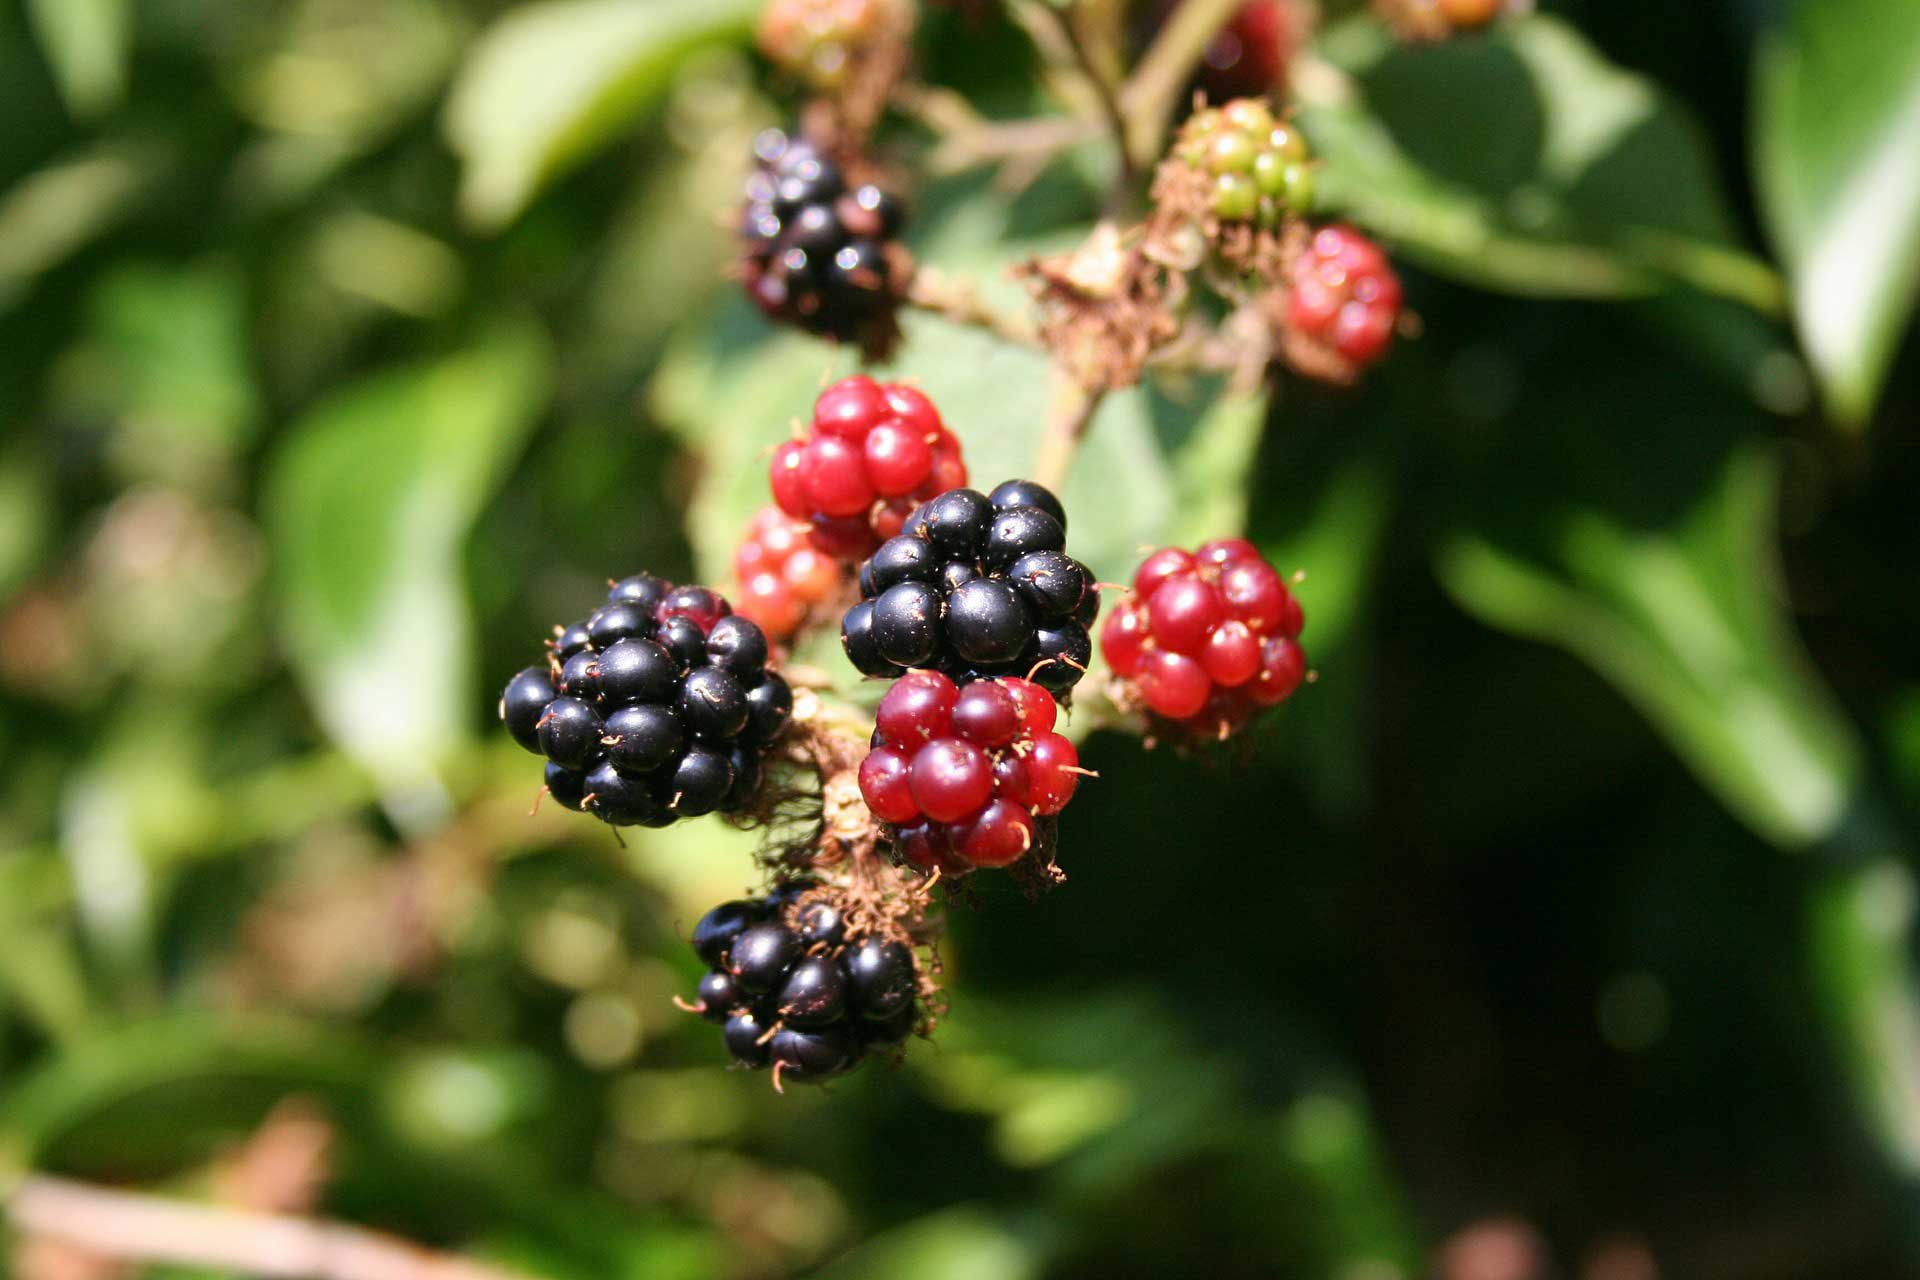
column 1837, row 147
column 955, row 1244
column 56, row 211
column 86, row 44
column 1578, row 178
column 1681, row 617
column 551, row 82
column 1211, row 466
column 1860, row 939
column 369, row 502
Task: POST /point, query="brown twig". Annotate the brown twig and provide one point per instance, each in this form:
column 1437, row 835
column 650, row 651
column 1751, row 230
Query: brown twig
column 144, row 1228
column 959, row 301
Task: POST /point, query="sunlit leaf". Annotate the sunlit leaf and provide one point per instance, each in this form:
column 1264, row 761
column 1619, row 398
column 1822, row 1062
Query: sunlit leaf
column 370, row 499
column 1837, row 146
column 86, row 43
column 550, row 82
column 1861, row 939
column 1578, row 178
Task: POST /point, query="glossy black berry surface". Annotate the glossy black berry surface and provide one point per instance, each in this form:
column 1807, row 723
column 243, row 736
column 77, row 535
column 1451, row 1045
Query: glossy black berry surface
column 976, row 585
column 657, row 706
column 815, row 248
column 794, row 988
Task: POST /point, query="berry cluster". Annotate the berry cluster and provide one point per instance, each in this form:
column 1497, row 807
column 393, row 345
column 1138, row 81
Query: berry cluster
column 1206, row 638
column 961, row 772
column 817, row 254
column 821, row 41
column 976, row 585
column 783, row 576
column 658, row 706
column 1344, row 297
column 794, row 988
column 1258, row 165
column 873, row 453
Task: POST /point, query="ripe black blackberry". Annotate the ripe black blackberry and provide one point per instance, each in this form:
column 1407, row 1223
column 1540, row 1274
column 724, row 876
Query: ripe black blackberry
column 977, row 585
column 658, row 706
column 817, row 253
column 794, row 989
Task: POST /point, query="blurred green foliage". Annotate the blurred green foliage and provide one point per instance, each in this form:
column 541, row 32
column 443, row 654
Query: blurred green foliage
column 344, row 343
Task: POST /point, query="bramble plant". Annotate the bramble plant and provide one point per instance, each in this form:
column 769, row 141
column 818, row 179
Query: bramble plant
column 970, row 605
column 1257, row 629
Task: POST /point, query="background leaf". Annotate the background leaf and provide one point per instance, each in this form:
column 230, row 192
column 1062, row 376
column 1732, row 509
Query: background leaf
column 1836, row 130
column 87, row 43
column 1579, row 179
column 551, row 82
column 370, row 498
column 1681, row 620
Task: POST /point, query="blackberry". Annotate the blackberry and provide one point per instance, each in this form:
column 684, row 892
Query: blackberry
column 1343, row 300
column 963, row 774
column 660, row 705
column 783, row 577
column 1206, row 639
column 872, row 453
column 977, row 586
column 795, row 989
column 1256, row 167
column 818, row 254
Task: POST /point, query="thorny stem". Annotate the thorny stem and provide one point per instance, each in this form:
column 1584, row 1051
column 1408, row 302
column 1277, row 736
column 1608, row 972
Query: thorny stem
column 135, row 1227
column 1068, row 416
column 1147, row 98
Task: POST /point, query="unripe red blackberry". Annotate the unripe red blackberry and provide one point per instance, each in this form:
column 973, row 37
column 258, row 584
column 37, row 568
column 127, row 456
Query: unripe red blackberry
column 784, row 579
column 795, row 989
column 976, row 585
column 1205, row 639
column 1248, row 56
column 871, row 455
column 1257, row 166
column 961, row 774
column 1344, row 298
column 816, row 253
column 663, row 707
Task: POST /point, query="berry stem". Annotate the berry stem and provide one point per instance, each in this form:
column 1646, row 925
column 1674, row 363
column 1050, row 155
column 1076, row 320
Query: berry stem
column 1068, row 417
column 959, row 301
column 968, row 139
column 1146, row 100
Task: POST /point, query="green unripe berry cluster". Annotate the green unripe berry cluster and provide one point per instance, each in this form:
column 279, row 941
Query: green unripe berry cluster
column 1258, row 163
